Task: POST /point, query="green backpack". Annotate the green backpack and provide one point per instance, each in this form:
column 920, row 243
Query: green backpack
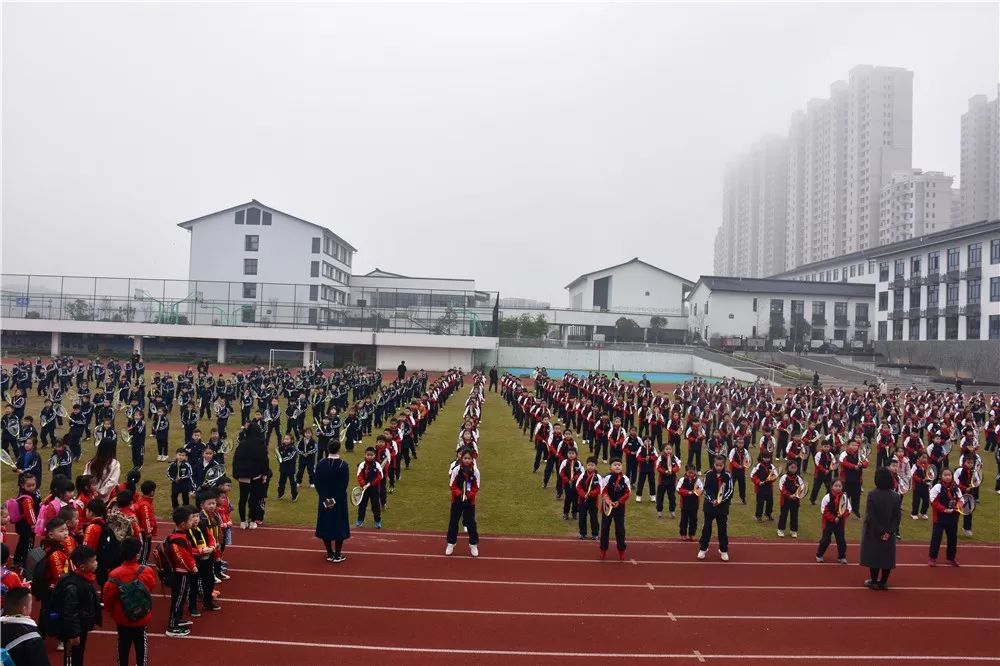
column 135, row 597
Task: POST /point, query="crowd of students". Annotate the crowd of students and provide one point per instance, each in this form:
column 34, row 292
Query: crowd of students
column 750, row 434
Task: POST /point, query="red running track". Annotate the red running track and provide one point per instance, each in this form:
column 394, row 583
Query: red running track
column 528, row 600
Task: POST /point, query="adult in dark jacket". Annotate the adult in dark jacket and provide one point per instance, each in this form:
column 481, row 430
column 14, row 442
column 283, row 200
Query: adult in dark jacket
column 19, row 634
column 250, row 469
column 332, row 522
column 878, row 542
column 401, row 370
column 78, row 607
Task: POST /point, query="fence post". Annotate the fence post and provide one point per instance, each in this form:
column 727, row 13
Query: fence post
column 27, row 296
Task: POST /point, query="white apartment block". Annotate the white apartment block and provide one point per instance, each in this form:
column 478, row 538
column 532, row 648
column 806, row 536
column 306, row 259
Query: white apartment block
column 914, row 203
column 980, row 161
column 752, row 236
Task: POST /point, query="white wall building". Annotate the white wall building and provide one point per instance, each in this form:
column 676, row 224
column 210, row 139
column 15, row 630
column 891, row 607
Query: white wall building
column 915, row 203
column 633, row 286
column 813, row 313
column 980, row 165
column 254, row 263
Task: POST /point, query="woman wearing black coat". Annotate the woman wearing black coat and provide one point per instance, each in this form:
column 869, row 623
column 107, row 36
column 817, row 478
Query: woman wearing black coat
column 878, row 541
column 332, row 521
column 251, row 470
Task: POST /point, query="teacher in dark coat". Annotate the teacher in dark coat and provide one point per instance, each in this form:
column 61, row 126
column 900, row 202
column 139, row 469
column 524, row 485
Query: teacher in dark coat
column 332, row 522
column 878, row 541
column 250, row 468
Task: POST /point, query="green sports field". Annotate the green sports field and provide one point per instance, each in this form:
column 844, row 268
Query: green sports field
column 512, row 500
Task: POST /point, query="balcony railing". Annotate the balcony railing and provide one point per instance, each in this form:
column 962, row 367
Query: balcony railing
column 914, row 312
column 933, row 278
column 841, row 322
column 953, row 276
column 974, row 273
column 897, row 282
column 862, row 323
column 897, row 314
column 950, row 310
column 971, row 310
column 818, row 321
column 931, row 311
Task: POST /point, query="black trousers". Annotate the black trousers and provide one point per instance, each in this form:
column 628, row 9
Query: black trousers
column 73, row 656
column 252, row 495
column 203, row 582
column 921, row 499
column 550, row 465
column 821, row 480
column 371, row 495
column 948, row 528
column 618, row 518
column 835, row 530
column 789, row 509
column 689, row 519
column 286, row 473
column 853, row 492
column 667, row 488
column 129, row 638
column 306, row 464
column 178, row 595
column 540, row 452
column 765, row 502
column 694, row 456
column 588, row 511
column 467, row 513
column 740, row 479
column 722, row 519
column 601, row 450
column 645, row 479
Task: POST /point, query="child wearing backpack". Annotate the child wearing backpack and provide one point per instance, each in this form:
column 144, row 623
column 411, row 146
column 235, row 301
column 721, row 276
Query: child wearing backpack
column 129, row 601
column 8, row 579
column 178, row 569
column 45, row 564
column 224, row 509
column 23, row 513
column 20, row 637
column 86, row 490
column 146, row 514
column 74, row 609
column 61, row 494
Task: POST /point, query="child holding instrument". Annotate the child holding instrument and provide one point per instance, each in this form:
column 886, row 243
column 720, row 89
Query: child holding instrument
column 570, row 471
column 689, row 488
column 718, row 490
column 792, row 489
column 615, row 491
column 588, row 489
column 464, row 483
column 763, row 476
column 667, row 466
column 944, row 498
column 370, row 480
column 646, row 462
column 835, row 509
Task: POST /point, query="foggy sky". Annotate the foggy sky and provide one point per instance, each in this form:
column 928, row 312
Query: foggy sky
column 520, row 145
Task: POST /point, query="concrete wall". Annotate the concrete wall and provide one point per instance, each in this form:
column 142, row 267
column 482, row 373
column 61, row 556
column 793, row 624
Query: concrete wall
column 417, row 358
column 611, row 360
column 970, row 359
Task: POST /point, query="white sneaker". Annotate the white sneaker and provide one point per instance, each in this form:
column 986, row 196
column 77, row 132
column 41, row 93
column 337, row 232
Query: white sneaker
column 252, row 525
column 968, row 532
column 638, row 499
column 781, row 533
column 819, row 559
column 724, row 556
column 701, row 554
column 914, row 517
column 243, row 526
column 449, row 549
column 474, row 551
column 650, row 499
column 795, row 535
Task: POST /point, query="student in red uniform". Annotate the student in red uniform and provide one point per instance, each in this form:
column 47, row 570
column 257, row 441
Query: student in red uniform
column 646, row 463
column 790, row 485
column 570, row 470
column 968, row 481
column 370, row 479
column 945, row 496
column 718, row 491
column 763, row 476
column 25, row 515
column 146, row 515
column 689, row 488
column 184, row 567
column 128, row 614
column 588, row 489
column 921, row 488
column 834, row 517
column 739, row 465
column 615, row 490
column 464, row 483
column 203, row 536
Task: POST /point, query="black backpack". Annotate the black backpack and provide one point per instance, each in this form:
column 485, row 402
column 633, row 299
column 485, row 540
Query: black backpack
column 164, row 564
column 35, row 564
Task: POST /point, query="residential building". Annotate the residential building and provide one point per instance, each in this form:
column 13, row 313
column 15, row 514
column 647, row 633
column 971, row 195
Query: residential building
column 789, row 312
column 914, row 203
column 980, row 161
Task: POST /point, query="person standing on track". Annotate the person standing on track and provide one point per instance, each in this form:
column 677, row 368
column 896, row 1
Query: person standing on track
column 464, row 488
column 878, row 541
column 718, row 490
column 615, row 490
column 332, row 521
column 494, row 376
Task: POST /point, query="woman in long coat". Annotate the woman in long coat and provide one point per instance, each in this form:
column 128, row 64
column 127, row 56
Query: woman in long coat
column 332, row 522
column 878, row 541
column 250, row 467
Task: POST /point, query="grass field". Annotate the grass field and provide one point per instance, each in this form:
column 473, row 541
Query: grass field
column 512, row 500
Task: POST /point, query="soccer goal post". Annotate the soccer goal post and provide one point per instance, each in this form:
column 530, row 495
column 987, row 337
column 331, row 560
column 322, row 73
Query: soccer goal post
column 290, row 358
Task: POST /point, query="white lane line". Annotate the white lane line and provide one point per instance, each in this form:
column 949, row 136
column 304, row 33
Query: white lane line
column 462, row 580
column 699, row 656
column 451, row 650
column 569, row 560
column 673, row 617
column 650, row 586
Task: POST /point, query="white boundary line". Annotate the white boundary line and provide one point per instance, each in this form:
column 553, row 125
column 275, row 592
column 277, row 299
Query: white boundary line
column 605, row 616
column 570, row 539
column 592, row 560
column 467, row 581
column 451, row 650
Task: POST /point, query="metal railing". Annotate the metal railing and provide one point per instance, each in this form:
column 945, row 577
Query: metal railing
column 246, row 304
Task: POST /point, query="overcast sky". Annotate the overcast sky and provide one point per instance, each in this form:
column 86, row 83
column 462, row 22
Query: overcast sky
column 520, row 145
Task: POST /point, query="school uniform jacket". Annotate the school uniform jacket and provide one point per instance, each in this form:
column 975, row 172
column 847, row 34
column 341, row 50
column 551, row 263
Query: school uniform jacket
column 714, row 484
column 828, row 508
column 617, row 488
column 466, row 480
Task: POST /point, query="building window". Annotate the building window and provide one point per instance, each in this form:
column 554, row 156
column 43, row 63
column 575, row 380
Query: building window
column 897, row 329
column 995, row 251
column 695, row 310
column 883, row 301
column 755, row 305
column 706, row 308
column 249, row 290
column 315, row 245
column 897, row 299
column 819, row 313
column 932, row 328
column 777, row 306
column 914, row 266
column 313, row 317
column 836, row 274
column 251, row 243
column 248, row 314
column 840, row 314
column 932, row 295
column 951, row 328
column 953, row 258
column 314, row 269
column 899, row 269
column 266, row 219
column 914, row 329
column 883, row 272
column 914, row 297
column 994, row 327
column 933, row 262
column 852, row 270
column 253, row 216
column 994, row 289
column 975, row 255
column 951, row 296
column 871, row 267
column 882, row 328
column 314, row 292
column 973, row 291
column 972, row 328
column 860, row 313
column 249, row 267
column 240, row 217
